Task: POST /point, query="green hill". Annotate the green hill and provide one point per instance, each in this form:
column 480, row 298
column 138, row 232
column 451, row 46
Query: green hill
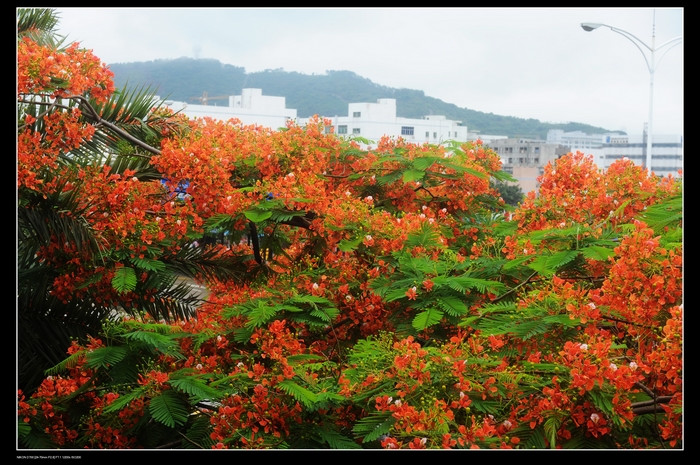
column 329, row 94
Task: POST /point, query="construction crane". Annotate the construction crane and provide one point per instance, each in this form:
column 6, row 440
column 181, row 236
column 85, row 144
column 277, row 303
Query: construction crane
column 204, row 99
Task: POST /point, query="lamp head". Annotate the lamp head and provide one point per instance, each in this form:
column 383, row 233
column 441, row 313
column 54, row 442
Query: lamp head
column 588, row 27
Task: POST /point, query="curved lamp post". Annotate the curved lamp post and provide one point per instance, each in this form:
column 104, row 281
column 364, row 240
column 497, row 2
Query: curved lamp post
column 650, row 62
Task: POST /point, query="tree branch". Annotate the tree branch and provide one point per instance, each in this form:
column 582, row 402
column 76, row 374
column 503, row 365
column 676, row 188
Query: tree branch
column 256, row 242
column 502, row 296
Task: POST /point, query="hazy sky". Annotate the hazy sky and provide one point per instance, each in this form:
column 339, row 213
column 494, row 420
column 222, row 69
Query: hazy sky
column 525, row 62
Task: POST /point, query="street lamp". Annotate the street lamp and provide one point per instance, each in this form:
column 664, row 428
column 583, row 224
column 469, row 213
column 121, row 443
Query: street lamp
column 651, row 65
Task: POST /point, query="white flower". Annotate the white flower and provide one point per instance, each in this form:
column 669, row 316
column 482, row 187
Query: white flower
column 199, row 366
column 314, row 286
column 584, row 346
column 612, row 366
column 633, row 366
column 595, row 417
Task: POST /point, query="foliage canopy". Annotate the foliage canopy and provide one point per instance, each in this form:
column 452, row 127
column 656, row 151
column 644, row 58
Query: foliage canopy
column 356, row 297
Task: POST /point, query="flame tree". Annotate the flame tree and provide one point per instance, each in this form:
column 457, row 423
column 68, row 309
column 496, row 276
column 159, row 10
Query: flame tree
column 357, row 297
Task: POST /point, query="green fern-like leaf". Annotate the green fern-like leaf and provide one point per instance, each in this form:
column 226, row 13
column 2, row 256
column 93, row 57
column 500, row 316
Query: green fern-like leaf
column 427, row 318
column 551, row 426
column 337, row 440
column 602, row 401
column 664, row 214
column 487, row 406
column 427, row 236
column 453, row 306
column 596, row 252
column 169, row 409
column 372, row 426
column 516, row 262
column 257, row 215
column 34, row 439
column 148, row 264
column 105, row 356
column 547, row 265
column 159, row 342
column 530, row 438
column 261, row 315
column 124, row 400
column 66, row 364
column 194, row 387
column 303, row 395
column 481, row 285
column 124, row 279
column 198, row 435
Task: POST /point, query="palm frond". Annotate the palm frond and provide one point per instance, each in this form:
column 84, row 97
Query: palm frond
column 130, row 111
column 36, row 20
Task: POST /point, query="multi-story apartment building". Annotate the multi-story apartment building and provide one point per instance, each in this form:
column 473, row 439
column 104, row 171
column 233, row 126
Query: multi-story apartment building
column 525, row 159
column 374, row 120
column 251, row 108
column 666, row 152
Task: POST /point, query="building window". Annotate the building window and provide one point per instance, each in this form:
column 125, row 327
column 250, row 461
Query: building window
column 536, row 160
column 427, row 134
column 510, row 161
column 522, row 150
column 406, row 130
column 537, row 150
column 356, row 114
column 435, row 135
column 520, row 160
column 343, row 129
column 355, row 130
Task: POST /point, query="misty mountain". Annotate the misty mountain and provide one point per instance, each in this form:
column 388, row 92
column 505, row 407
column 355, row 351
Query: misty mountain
column 187, row 79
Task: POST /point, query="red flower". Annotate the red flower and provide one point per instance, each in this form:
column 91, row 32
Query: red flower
column 411, row 293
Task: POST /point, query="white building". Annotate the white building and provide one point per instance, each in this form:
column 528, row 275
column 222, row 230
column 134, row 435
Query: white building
column 666, row 152
column 580, row 141
column 374, row 120
column 251, row 107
